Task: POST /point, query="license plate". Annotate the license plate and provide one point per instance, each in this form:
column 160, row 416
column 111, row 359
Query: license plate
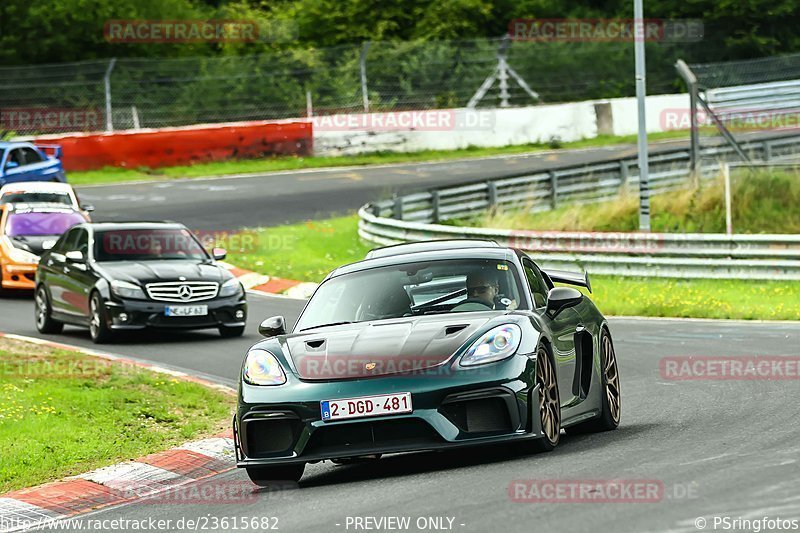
column 386, row 404
column 186, row 310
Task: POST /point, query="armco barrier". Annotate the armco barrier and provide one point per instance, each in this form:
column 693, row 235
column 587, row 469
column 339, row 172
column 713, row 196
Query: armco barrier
column 632, row 254
column 415, row 216
column 182, row 146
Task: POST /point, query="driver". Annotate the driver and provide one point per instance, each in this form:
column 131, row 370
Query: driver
column 482, row 289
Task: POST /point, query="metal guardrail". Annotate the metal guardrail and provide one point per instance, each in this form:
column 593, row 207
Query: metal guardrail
column 415, row 217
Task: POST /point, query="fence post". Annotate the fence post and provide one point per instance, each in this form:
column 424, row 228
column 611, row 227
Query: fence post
column 553, row 189
column 398, row 207
column 107, row 84
column 491, row 193
column 363, row 62
column 623, row 174
column 309, row 106
column 726, row 176
column 767, row 151
column 435, row 206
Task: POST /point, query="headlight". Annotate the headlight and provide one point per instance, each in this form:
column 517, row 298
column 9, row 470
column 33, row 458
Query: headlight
column 230, row 287
column 262, row 368
column 123, row 289
column 18, row 255
column 496, row 344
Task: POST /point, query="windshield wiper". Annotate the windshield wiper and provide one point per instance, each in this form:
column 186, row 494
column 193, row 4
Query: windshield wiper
column 326, row 325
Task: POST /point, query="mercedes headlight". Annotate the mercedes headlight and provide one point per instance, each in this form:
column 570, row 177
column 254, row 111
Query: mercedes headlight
column 230, row 287
column 495, row 345
column 124, row 289
column 262, row 368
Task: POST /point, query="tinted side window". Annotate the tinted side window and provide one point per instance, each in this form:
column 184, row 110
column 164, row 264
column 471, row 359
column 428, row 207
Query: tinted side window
column 81, row 242
column 31, row 156
column 66, row 242
column 536, row 283
column 15, row 157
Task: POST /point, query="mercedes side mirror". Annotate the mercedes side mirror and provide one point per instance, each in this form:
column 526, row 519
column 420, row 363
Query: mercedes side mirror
column 219, row 253
column 75, row 256
column 560, row 298
column 11, row 164
column 272, row 326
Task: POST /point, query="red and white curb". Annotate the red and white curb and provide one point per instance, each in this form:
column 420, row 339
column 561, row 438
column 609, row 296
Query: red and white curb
column 116, row 484
column 253, row 281
column 123, row 482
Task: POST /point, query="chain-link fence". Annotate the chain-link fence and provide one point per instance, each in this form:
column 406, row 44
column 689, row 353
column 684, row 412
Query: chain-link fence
column 150, row 93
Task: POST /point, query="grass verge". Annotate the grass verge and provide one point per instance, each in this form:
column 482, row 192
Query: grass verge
column 308, row 251
column 762, row 202
column 63, row 413
column 274, row 164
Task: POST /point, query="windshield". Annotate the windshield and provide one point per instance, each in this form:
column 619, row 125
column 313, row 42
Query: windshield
column 36, row 197
column 412, row 289
column 147, row 245
column 41, row 223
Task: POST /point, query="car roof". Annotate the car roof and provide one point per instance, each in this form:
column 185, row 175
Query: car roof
column 40, row 207
column 11, row 144
column 425, row 246
column 111, row 226
column 36, row 186
column 430, row 252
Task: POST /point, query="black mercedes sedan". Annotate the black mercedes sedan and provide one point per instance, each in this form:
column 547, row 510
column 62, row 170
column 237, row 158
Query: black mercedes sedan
column 127, row 276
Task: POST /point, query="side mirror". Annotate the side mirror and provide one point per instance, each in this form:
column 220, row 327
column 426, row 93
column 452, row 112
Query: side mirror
column 219, row 253
column 87, row 207
column 272, row 326
column 11, row 164
column 560, row 298
column 75, row 256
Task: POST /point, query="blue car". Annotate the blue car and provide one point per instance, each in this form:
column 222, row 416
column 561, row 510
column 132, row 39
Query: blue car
column 21, row 161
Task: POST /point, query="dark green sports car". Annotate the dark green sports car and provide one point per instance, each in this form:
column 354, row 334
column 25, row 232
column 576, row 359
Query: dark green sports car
column 426, row 346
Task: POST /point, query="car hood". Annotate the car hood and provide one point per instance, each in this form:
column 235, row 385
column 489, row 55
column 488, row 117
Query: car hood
column 379, row 348
column 153, row 271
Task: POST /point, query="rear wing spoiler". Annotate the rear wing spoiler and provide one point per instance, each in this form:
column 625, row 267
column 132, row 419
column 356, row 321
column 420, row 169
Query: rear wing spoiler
column 580, row 279
column 55, row 148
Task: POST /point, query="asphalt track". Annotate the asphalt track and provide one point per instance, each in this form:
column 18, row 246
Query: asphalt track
column 229, row 203
column 718, row 448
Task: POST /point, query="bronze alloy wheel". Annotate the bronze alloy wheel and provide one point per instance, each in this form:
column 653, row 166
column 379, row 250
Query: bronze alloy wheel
column 549, row 403
column 611, row 375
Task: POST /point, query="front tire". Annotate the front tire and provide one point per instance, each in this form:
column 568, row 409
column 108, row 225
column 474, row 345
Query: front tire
column 228, row 332
column 42, row 311
column 264, row 476
column 549, row 408
column 98, row 320
column 610, row 400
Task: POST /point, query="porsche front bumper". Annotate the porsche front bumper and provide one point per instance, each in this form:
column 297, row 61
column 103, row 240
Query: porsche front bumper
column 463, row 407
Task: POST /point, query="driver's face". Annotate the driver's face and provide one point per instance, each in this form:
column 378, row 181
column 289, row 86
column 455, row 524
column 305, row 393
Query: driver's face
column 484, row 291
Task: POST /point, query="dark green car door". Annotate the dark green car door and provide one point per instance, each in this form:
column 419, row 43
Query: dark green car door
column 563, row 326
